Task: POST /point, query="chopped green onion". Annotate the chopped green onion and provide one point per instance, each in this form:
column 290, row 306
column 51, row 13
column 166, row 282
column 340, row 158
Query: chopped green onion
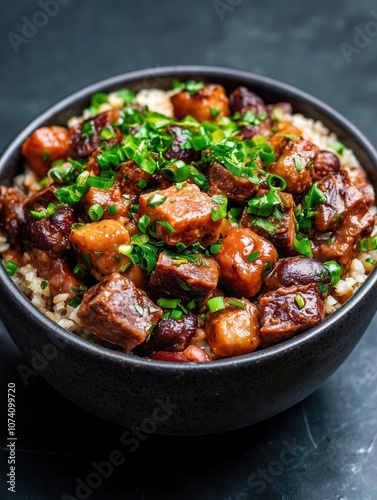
column 155, row 200
column 368, row 244
column 76, row 301
column 97, row 99
column 370, row 261
column 335, row 270
column 177, row 172
column 166, row 225
column 95, row 212
column 216, row 304
column 237, row 303
column 45, row 155
column 330, row 241
column 298, row 163
column 139, row 309
column 276, row 183
column 11, row 267
column 291, row 136
column 193, row 87
column 50, row 210
column 338, row 147
column 143, row 223
column 126, row 95
column 220, row 212
column 168, row 303
column 106, row 134
column 139, row 239
column 112, row 209
column 215, row 248
column 142, row 184
column 44, row 284
column 300, row 301
column 125, row 249
column 176, row 314
column 263, row 205
column 214, row 112
column 87, row 129
column 303, row 246
column 264, row 224
column 79, row 271
column 253, row 256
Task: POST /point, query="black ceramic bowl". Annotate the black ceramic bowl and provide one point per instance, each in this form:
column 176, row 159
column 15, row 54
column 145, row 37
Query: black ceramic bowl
column 179, row 398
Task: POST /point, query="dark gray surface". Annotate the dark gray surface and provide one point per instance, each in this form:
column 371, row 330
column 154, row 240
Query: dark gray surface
column 331, row 437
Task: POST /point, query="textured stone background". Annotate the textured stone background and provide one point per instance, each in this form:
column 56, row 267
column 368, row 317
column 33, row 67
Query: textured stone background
column 330, row 437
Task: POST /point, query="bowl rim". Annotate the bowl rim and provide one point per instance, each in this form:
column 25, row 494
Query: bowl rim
column 208, row 72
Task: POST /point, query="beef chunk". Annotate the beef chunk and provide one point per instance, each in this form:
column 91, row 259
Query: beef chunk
column 97, row 245
column 199, row 104
column 176, row 150
column 234, row 330
column 280, row 138
column 132, row 179
column 12, row 215
column 40, row 200
column 299, row 271
column 289, row 311
column 50, row 233
column 186, row 210
column 361, row 181
column 172, row 335
column 222, row 181
column 118, row 312
column 242, row 100
column 56, row 270
column 243, row 258
column 112, row 197
column 343, row 220
column 85, row 137
column 281, row 230
column 295, row 165
column 44, row 146
column 325, row 164
column 184, row 278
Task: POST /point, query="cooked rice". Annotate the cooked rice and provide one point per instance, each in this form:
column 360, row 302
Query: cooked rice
column 58, row 309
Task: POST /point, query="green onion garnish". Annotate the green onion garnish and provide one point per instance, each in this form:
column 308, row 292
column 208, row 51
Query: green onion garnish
column 303, row 246
column 334, row 269
column 143, row 223
column 11, row 267
column 155, row 200
column 125, row 249
column 45, row 155
column 214, row 112
column 368, row 244
column 216, row 304
column 300, row 301
column 87, row 129
column 176, row 314
column 276, row 183
column 106, row 134
column 79, row 271
column 338, row 147
column 166, row 225
column 168, row 303
column 44, row 284
column 220, row 212
column 253, row 256
column 95, row 212
column 298, row 163
column 237, row 303
column 370, row 261
column 112, row 209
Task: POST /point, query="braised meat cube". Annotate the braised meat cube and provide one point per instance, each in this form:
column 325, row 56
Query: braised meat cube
column 279, row 228
column 12, row 216
column 176, row 148
column 300, row 271
column 50, row 233
column 172, row 335
column 289, row 311
column 87, row 136
column 186, row 211
column 56, row 270
column 222, row 181
column 361, row 181
column 200, row 104
column 115, row 206
column 97, row 245
column 182, row 277
column 44, row 146
column 132, row 179
column 242, row 101
column 40, row 200
column 342, row 221
column 325, row 164
column 295, row 165
column 243, row 258
column 233, row 331
column 283, row 132
column 118, row 312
